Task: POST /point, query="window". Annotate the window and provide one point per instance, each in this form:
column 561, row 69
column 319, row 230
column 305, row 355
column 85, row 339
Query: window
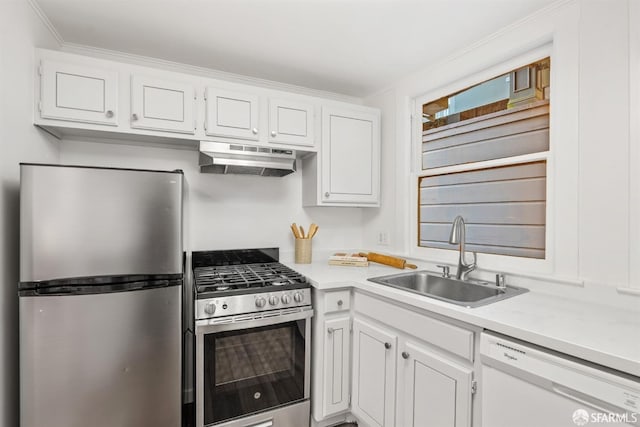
column 484, row 158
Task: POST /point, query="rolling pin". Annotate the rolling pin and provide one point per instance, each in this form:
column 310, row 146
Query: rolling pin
column 387, row 260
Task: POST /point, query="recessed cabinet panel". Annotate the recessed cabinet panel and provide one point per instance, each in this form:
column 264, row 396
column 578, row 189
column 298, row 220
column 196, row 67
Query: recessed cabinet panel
column 78, row 93
column 350, row 156
column 336, row 365
column 232, row 114
column 162, row 105
column 374, row 353
column 291, row 122
column 437, row 391
column 350, row 139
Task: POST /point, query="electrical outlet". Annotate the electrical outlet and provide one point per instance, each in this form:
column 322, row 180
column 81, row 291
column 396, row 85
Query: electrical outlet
column 383, row 238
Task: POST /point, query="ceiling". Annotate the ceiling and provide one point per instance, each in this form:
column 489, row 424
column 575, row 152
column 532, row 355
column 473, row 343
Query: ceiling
column 353, row 47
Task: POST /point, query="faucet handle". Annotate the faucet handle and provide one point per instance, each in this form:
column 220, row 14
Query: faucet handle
column 500, row 282
column 473, row 263
column 445, row 270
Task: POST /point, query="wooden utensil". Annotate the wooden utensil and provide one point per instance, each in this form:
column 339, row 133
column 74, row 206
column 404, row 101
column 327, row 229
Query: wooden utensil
column 387, row 260
column 302, row 233
column 296, row 232
column 313, row 229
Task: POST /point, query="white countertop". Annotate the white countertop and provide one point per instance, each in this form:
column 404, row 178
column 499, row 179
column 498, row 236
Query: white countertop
column 602, row 333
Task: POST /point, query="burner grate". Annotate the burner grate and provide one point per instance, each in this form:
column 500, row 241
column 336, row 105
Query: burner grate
column 242, row 276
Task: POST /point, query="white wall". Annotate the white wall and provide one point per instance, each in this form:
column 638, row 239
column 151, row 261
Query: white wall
column 604, row 142
column 230, row 211
column 20, row 31
column 589, row 209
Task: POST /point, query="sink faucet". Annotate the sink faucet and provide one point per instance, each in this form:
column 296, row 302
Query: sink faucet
column 458, row 237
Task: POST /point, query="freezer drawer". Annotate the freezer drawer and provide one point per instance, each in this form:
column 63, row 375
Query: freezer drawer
column 525, row 386
column 106, row 360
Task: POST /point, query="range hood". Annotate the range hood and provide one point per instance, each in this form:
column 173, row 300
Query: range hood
column 222, row 157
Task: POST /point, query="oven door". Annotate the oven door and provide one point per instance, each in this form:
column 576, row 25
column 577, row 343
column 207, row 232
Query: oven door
column 251, row 365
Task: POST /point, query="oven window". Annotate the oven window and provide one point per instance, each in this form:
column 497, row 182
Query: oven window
column 251, row 370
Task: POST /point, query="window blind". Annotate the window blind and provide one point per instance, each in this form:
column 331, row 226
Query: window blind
column 508, row 133
column 503, row 208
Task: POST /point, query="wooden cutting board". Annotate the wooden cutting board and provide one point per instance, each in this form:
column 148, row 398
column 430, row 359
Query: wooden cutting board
column 387, row 260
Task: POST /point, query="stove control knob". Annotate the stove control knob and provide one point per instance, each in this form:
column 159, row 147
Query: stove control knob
column 286, row 299
column 298, row 297
column 261, row 302
column 273, row 300
column 209, row 308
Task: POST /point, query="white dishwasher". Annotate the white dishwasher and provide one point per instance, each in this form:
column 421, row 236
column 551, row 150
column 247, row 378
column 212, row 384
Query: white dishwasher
column 525, row 386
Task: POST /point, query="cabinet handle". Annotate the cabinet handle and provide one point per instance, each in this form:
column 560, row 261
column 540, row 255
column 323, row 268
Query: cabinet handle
column 134, row 117
column 326, row 194
column 387, row 345
column 255, row 131
column 109, row 114
column 330, row 330
column 405, row 355
column 340, row 302
column 273, row 133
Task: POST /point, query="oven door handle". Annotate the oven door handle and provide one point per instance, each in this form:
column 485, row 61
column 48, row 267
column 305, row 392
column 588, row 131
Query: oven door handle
column 203, row 327
column 268, row 423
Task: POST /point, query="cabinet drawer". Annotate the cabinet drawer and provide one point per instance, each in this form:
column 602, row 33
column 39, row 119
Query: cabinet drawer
column 448, row 337
column 337, row 301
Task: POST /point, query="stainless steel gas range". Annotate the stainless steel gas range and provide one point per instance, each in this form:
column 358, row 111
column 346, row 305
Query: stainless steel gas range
column 253, row 340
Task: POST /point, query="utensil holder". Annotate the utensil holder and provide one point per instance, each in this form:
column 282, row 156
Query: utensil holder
column 303, row 251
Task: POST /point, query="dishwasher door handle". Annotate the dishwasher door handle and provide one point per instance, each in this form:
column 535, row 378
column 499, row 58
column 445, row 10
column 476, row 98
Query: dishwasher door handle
column 573, row 395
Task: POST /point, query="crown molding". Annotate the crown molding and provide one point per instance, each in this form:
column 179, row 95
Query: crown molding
column 167, row 65
column 179, row 67
column 46, row 22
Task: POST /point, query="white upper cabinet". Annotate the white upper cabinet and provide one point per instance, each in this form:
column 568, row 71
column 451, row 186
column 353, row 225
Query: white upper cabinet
column 78, row 93
column 346, row 171
column 162, row 105
column 232, row 114
column 350, row 156
column 291, row 122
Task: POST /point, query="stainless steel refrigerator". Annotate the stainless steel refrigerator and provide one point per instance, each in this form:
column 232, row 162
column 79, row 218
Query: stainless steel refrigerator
column 101, row 271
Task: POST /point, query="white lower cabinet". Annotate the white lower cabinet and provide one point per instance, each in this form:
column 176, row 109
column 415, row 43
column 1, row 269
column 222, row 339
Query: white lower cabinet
column 331, row 360
column 437, row 392
column 374, row 373
column 409, row 369
column 337, row 351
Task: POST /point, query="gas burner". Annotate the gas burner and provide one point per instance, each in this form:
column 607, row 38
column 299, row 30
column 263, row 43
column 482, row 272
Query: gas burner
column 279, row 282
column 225, row 277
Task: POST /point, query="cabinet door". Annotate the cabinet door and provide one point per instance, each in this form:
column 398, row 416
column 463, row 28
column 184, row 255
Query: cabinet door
column 291, row 122
column 162, row 105
column 336, row 365
column 437, row 392
column 232, row 114
column 350, row 156
column 78, row 93
column 374, row 378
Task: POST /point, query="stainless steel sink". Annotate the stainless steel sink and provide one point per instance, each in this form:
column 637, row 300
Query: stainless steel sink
column 469, row 293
